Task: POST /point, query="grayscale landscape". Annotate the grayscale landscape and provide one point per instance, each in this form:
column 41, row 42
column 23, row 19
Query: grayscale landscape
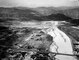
column 39, row 33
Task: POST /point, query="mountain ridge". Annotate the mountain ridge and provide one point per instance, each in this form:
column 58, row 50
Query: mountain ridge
column 72, row 12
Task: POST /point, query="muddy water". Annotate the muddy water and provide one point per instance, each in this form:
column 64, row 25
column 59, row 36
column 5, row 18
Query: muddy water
column 62, row 44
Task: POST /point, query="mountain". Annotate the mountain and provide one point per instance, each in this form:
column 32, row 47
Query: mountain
column 72, row 12
column 58, row 17
column 28, row 14
column 38, row 14
column 46, row 10
column 19, row 14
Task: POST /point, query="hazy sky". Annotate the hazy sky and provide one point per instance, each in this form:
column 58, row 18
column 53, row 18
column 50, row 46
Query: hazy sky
column 39, row 3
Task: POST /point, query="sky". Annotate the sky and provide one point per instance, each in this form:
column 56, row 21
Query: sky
column 38, row 3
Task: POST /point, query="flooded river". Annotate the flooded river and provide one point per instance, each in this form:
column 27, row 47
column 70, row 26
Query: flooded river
column 62, row 43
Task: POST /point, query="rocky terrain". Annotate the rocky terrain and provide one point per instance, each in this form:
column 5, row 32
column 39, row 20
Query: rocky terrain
column 22, row 40
column 26, row 34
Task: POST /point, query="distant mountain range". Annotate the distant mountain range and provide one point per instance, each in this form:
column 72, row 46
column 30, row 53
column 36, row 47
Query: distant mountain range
column 72, row 12
column 19, row 14
column 39, row 14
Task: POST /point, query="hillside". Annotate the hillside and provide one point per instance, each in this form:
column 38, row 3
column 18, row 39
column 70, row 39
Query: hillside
column 19, row 14
column 28, row 14
column 72, row 12
column 58, row 17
